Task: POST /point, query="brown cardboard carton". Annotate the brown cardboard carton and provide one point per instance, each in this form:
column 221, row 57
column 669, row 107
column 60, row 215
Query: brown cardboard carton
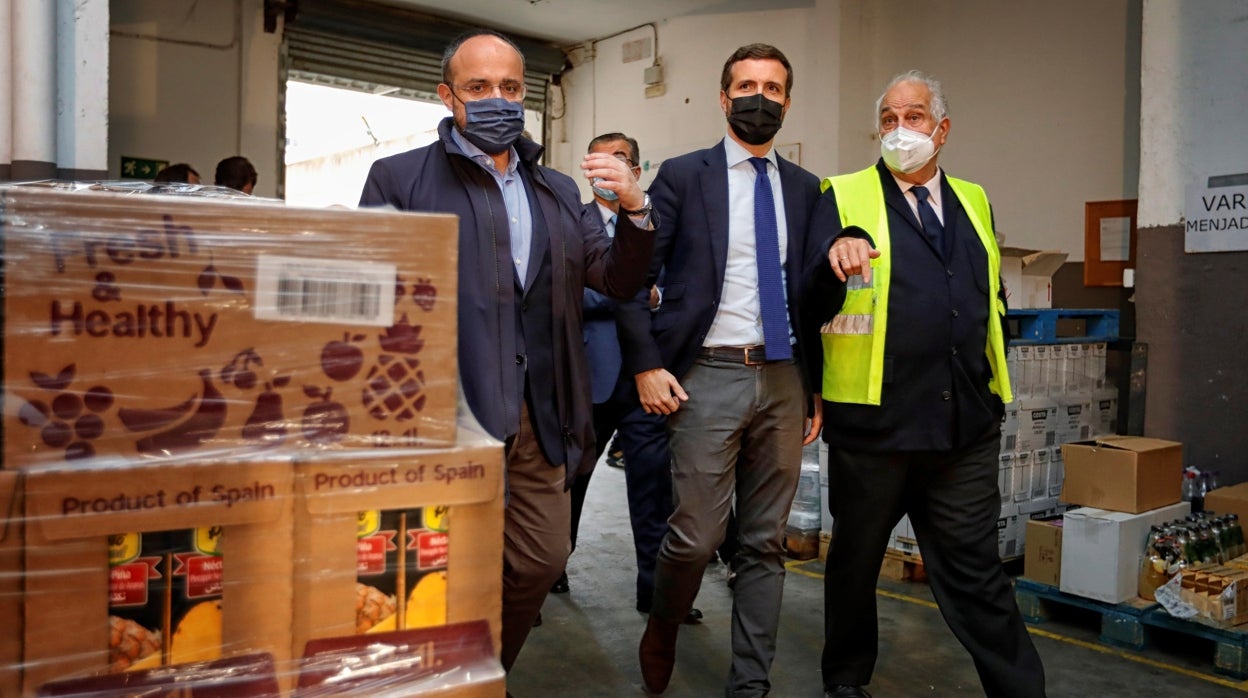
column 157, row 327
column 1123, row 473
column 70, row 514
column 1229, row 500
column 1042, row 556
column 11, row 535
column 332, row 492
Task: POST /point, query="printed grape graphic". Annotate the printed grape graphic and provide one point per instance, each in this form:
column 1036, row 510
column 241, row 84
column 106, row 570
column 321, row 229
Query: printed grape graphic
column 395, row 384
column 70, row 420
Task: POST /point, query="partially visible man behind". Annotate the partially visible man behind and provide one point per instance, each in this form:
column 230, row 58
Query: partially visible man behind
column 642, row 436
column 527, row 249
column 913, row 384
column 729, row 362
column 181, row 173
column 237, row 173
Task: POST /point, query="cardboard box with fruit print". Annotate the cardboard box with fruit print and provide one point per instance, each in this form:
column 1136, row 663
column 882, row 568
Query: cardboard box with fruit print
column 155, row 565
column 10, row 584
column 162, row 327
column 398, row 541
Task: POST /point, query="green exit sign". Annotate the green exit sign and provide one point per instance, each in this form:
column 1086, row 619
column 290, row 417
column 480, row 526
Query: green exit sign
column 141, row 168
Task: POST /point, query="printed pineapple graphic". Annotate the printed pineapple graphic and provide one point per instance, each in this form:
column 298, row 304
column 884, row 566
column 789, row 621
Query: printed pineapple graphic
column 129, row 642
column 371, row 607
column 395, row 385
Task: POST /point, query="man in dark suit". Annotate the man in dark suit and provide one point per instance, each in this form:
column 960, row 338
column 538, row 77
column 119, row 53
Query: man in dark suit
column 642, row 436
column 527, row 250
column 727, row 359
column 913, row 384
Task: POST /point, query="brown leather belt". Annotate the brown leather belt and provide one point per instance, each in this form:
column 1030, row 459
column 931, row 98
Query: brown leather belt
column 750, row 356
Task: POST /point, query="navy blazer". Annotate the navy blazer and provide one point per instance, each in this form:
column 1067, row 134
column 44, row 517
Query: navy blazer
column 439, row 177
column 935, row 394
column 602, row 343
column 691, row 196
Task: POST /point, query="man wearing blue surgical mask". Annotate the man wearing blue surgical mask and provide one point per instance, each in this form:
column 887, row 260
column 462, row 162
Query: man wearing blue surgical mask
column 908, row 288
column 527, row 249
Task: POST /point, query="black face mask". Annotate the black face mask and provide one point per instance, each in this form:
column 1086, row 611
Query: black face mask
column 755, row 119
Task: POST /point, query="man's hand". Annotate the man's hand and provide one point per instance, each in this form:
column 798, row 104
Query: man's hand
column 660, row 392
column 852, row 255
column 614, row 175
column 655, row 298
column 814, row 423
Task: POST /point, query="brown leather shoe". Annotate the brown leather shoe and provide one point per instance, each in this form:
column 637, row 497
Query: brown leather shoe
column 657, row 654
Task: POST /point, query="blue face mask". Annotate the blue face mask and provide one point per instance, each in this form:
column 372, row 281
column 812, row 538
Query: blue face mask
column 493, row 124
column 605, row 194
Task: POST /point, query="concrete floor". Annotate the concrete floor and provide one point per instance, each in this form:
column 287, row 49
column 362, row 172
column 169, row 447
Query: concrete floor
column 587, row 644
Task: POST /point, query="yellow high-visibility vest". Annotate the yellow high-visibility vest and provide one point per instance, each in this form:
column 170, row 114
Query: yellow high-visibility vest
column 853, row 341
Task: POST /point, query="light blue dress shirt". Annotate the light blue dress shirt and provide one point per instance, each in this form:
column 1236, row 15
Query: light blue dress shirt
column 515, row 198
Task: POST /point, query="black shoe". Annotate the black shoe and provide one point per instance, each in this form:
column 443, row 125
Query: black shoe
column 538, row 620
column 693, row 617
column 561, row 585
column 615, row 458
column 843, row 691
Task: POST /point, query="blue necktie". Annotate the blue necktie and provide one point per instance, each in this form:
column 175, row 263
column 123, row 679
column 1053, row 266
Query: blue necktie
column 770, row 279
column 931, row 224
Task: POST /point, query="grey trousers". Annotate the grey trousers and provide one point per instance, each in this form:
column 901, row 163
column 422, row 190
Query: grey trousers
column 739, row 433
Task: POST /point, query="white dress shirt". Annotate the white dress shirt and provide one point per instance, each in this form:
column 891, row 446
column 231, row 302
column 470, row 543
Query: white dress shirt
column 739, row 321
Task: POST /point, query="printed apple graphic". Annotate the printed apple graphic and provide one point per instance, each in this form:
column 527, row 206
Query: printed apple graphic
column 341, row 359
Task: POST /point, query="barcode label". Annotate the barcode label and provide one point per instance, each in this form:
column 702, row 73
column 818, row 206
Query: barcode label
column 1050, row 438
column 325, row 290
column 1009, row 442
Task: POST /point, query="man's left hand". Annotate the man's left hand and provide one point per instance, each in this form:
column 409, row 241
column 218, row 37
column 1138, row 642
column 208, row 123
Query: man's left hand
column 614, row 175
column 814, row 423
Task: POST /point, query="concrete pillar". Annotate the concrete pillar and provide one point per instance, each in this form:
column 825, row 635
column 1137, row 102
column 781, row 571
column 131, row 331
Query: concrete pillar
column 82, row 89
column 33, row 38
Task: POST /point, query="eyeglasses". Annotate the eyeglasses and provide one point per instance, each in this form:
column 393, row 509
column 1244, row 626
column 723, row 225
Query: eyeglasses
column 511, row 90
column 624, row 159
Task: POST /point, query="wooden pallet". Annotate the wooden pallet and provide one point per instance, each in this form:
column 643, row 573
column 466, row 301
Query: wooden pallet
column 1131, row 624
column 902, row 566
column 1039, row 325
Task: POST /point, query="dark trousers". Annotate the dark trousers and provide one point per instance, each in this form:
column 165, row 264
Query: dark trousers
column 954, row 503
column 647, row 477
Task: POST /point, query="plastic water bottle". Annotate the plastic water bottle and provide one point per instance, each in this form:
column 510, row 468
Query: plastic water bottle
column 806, row 514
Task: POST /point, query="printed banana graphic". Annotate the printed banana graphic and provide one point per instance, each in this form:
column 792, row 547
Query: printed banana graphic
column 195, row 430
column 159, row 418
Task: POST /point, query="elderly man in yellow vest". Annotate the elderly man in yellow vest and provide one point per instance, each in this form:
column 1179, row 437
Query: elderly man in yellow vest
column 913, row 389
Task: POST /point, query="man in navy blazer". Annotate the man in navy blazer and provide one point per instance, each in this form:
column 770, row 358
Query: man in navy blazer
column 727, row 358
column 642, row 436
column 527, row 250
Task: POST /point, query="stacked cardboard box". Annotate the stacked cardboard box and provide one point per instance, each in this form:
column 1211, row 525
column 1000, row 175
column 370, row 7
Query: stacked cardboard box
column 203, row 398
column 1125, row 484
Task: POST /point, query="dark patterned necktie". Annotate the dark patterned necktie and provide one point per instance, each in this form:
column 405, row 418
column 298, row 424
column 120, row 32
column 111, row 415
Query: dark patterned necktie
column 927, row 216
column 770, row 278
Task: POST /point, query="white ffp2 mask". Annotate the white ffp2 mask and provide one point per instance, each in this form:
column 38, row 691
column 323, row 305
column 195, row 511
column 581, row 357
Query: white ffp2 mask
column 905, row 150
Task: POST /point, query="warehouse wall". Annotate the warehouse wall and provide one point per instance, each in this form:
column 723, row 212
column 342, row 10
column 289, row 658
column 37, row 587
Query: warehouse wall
column 1191, row 305
column 193, row 82
column 1044, row 98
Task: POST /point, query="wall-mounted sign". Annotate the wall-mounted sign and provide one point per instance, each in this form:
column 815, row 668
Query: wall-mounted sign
column 1216, row 216
column 141, row 168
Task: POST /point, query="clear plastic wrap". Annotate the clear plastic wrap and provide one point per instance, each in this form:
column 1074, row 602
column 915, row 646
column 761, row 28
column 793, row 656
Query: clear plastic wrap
column 233, row 464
